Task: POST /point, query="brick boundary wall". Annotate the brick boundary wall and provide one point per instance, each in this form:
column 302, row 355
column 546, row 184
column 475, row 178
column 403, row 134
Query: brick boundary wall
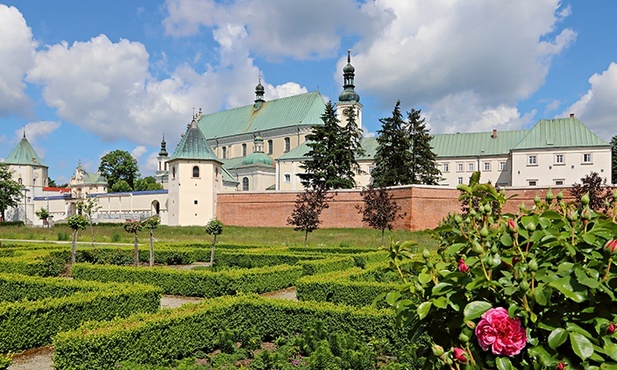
column 424, row 206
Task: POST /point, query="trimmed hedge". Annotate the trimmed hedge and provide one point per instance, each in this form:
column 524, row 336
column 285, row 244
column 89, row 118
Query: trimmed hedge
column 195, row 283
column 339, row 263
column 337, row 287
column 63, row 304
column 168, row 335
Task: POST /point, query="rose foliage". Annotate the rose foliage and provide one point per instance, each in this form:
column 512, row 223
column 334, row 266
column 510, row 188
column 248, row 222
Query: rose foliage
column 531, row 290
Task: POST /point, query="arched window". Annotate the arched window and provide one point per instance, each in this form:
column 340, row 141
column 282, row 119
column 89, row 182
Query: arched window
column 224, row 152
column 19, row 181
column 195, row 171
column 270, row 147
column 287, row 144
column 245, row 184
column 244, row 150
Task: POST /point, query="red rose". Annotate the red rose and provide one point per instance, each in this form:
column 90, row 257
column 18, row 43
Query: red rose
column 502, row 334
column 459, row 355
column 462, row 266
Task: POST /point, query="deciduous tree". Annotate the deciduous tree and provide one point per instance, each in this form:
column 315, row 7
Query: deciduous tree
column 10, row 190
column 151, row 224
column 214, row 228
column 119, row 165
column 43, row 215
column 379, row 210
column 76, row 223
column 308, row 208
column 597, row 188
column 147, row 183
column 133, row 227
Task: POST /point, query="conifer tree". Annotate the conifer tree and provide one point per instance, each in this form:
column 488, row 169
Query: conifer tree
column 393, row 159
column 331, row 158
column 423, row 160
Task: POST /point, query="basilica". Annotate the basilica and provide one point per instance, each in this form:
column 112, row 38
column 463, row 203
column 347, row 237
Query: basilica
column 260, row 148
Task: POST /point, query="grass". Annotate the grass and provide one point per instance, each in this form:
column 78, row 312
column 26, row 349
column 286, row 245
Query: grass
column 231, row 235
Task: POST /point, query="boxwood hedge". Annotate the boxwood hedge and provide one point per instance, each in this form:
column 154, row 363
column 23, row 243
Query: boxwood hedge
column 168, row 335
column 63, row 304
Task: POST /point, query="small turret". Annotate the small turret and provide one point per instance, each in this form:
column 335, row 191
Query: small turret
column 349, row 94
column 163, row 152
column 259, row 95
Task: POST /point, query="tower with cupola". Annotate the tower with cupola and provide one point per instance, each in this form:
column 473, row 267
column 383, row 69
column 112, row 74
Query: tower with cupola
column 349, row 98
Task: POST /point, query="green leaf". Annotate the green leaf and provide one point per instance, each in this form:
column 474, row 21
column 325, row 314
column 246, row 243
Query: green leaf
column 441, row 288
column 557, row 338
column 608, row 366
column 506, row 240
column 424, row 309
column 503, row 363
column 424, row 278
column 542, row 294
column 564, row 286
column 440, row 302
column 584, row 279
column 475, row 309
column 611, row 350
column 392, row 297
column 581, row 346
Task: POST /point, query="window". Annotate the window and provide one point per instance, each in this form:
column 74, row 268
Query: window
column 460, row 167
column 287, row 177
column 459, row 180
column 287, row 144
column 195, row 171
column 502, row 166
column 370, row 169
column 470, row 167
column 559, row 182
column 245, row 184
column 446, row 167
column 270, row 147
column 224, row 154
column 244, row 150
column 587, row 158
column 487, row 166
column 19, row 181
column 533, row 182
column 173, row 172
column 532, row 160
column 195, row 201
column 558, row 158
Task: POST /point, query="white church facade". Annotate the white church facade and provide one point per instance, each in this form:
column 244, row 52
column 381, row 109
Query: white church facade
column 260, row 148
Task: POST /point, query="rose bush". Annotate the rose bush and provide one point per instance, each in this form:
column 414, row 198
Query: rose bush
column 530, row 290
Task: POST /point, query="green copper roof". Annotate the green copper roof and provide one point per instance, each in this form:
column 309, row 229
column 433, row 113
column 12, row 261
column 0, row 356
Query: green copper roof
column 303, row 109
column 258, row 158
column 94, row 179
column 24, row 154
column 475, row 143
column 559, row 133
column 193, row 145
column 228, row 178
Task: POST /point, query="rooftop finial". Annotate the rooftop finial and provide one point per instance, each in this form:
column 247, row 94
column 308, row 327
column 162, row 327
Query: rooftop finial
column 259, row 93
column 348, row 55
column 24, row 132
column 349, row 94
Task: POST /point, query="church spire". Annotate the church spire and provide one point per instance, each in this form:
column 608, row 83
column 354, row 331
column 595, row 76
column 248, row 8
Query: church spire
column 259, row 94
column 163, row 152
column 349, row 94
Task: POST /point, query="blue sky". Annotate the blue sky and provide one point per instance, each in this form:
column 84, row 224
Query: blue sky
column 85, row 78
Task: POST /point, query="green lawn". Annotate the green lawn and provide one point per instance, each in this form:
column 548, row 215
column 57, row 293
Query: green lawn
column 231, row 235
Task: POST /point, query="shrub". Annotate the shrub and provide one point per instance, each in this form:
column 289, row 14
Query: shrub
column 528, row 290
column 5, row 361
column 63, row 236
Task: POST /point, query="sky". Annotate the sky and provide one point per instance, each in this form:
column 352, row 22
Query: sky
column 84, row 78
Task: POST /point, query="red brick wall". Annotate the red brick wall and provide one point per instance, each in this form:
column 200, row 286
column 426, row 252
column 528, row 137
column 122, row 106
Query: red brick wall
column 424, row 207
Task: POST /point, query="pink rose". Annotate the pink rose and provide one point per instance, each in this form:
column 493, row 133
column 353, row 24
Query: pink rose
column 504, row 335
column 459, row 355
column 561, row 366
column 611, row 329
column 512, row 227
column 462, row 266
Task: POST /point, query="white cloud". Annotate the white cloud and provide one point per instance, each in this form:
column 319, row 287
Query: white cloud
column 138, row 152
column 598, row 107
column 150, row 165
column 301, row 29
column 497, row 52
column 35, row 131
column 17, row 50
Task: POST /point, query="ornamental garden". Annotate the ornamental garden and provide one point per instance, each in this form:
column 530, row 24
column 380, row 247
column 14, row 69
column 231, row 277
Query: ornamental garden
column 532, row 289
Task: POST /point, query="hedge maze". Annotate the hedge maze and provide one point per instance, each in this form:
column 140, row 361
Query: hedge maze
column 108, row 311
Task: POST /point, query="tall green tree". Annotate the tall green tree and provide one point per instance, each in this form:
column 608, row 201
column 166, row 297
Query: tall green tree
column 119, row 165
column 393, row 159
column 423, row 160
column 76, row 223
column 147, row 183
column 331, row 159
column 614, row 159
column 10, row 190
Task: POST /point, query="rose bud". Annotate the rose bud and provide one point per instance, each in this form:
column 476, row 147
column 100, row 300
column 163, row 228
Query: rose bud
column 536, row 200
column 560, row 195
column 512, row 226
column 549, row 196
column 459, row 355
column 586, row 214
column 611, row 329
column 561, row 366
column 611, row 245
column 585, row 199
column 462, row 266
column 437, row 350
